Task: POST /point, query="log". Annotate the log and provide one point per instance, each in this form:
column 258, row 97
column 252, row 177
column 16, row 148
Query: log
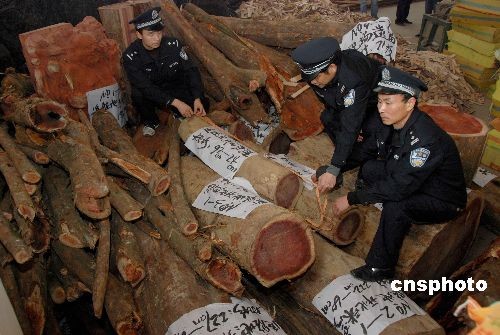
column 69, row 227
column 27, row 137
column 13, row 242
column 51, row 323
column 253, row 246
column 313, row 151
column 270, row 180
column 221, row 117
column 128, row 208
column 55, row 289
column 5, row 256
column 21, row 198
column 102, row 267
column 148, row 229
column 36, row 156
column 41, row 229
column 185, row 218
column 428, row 251
column 161, row 154
column 17, row 85
column 125, row 252
column 288, row 33
column 73, row 288
column 234, row 81
column 119, row 302
column 468, row 132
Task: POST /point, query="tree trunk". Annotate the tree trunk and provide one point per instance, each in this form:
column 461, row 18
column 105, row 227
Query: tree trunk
column 253, row 246
column 36, row 156
column 102, row 267
column 270, row 180
column 313, row 151
column 13, row 242
column 128, row 208
column 234, row 81
column 428, row 251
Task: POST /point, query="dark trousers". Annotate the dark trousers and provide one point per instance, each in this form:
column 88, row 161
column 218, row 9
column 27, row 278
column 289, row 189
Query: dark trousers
column 403, row 10
column 429, row 6
column 398, row 216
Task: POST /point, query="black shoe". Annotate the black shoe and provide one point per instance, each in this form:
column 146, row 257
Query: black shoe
column 399, row 23
column 367, row 273
column 406, row 21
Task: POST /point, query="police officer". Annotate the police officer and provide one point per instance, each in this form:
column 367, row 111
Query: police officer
column 344, row 82
column 418, row 176
column 160, row 73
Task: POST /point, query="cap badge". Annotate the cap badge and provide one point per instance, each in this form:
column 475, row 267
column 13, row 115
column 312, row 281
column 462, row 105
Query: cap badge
column 154, row 14
column 386, row 75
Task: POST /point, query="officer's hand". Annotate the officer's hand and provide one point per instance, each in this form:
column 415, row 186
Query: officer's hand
column 198, row 108
column 183, row 108
column 326, row 182
column 340, row 205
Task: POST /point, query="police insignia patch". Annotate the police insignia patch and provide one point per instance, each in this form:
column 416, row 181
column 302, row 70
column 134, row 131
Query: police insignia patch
column 349, row 98
column 419, row 156
column 183, row 54
column 386, row 75
column 154, row 14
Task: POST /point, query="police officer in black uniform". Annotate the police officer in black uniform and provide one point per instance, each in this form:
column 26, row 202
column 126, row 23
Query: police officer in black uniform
column 418, row 177
column 161, row 74
column 344, row 82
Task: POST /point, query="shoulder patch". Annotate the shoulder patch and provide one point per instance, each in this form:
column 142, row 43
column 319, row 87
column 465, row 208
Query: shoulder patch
column 419, row 156
column 349, row 98
column 183, row 54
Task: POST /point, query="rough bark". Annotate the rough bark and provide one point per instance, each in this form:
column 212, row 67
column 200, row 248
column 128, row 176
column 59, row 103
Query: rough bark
column 128, row 208
column 253, row 246
column 5, row 256
column 36, row 156
column 13, row 242
column 102, row 267
column 428, row 251
column 16, row 85
column 25, row 136
column 270, row 180
column 221, row 117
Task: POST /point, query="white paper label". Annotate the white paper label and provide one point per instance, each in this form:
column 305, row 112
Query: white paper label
column 221, row 153
column 301, row 170
column 260, row 131
column 357, row 307
column 240, row 317
column 372, row 37
column 109, row 98
column 379, row 206
column 224, row 197
column 483, row 177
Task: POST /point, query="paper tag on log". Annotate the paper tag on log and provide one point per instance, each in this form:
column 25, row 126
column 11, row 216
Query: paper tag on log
column 301, row 170
column 262, row 130
column 357, row 307
column 241, row 316
column 483, row 177
column 224, row 197
column 110, row 98
column 220, row 152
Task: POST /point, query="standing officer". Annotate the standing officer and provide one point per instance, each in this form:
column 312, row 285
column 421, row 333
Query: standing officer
column 344, row 82
column 160, row 73
column 419, row 177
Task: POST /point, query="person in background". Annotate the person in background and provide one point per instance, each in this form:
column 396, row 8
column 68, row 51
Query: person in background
column 161, row 74
column 363, row 5
column 418, row 176
column 402, row 12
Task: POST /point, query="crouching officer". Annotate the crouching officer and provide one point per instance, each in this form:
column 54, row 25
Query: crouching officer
column 418, row 178
column 344, row 82
column 161, row 74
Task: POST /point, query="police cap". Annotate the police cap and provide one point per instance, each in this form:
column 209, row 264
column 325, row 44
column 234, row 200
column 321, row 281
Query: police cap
column 396, row 81
column 316, row 55
column 150, row 20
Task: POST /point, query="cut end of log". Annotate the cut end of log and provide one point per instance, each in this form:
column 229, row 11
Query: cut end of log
column 94, row 208
column 130, row 326
column 241, row 131
column 160, row 185
column 70, row 240
column 190, row 229
column 349, row 227
column 284, row 249
column 288, row 191
column 49, row 117
column 132, row 215
column 204, row 253
column 225, row 275
column 26, row 212
column 453, row 121
column 22, row 256
column 41, row 158
column 130, row 272
column 31, row 177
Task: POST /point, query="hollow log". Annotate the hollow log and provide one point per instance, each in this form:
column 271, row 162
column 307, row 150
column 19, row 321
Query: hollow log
column 13, row 242
column 428, row 251
column 331, row 263
column 102, row 267
column 128, row 208
column 55, row 289
column 289, row 33
column 36, row 156
column 234, row 81
column 125, row 252
column 253, row 246
column 119, row 302
column 270, row 180
column 69, row 227
column 73, row 288
column 468, row 132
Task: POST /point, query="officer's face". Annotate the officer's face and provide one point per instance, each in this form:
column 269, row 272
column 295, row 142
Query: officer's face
column 324, row 77
column 150, row 39
column 394, row 110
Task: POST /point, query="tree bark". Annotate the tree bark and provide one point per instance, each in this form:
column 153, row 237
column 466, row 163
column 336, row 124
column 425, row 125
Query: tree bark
column 72, row 286
column 270, row 180
column 26, row 136
column 102, row 267
column 313, row 151
column 253, row 246
column 221, row 118
column 128, row 208
column 161, row 154
column 13, row 242
column 36, row 156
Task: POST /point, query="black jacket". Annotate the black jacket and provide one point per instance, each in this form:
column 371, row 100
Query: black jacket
column 349, row 96
column 423, row 158
column 161, row 79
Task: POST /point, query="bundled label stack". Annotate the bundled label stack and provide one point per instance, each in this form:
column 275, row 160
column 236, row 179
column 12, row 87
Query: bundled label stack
column 474, row 37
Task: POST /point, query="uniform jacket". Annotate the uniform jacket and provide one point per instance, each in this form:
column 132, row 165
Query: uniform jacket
column 348, row 96
column 159, row 79
column 422, row 159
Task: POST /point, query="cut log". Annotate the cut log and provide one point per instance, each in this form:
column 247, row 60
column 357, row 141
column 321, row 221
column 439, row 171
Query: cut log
column 313, row 151
column 13, row 242
column 161, row 154
column 36, row 156
column 270, row 180
column 115, row 19
column 147, row 228
column 288, row 33
column 468, row 132
column 69, row 227
column 102, row 267
column 55, row 289
column 72, row 286
column 428, row 251
column 119, row 301
column 211, row 87
column 17, row 85
column 253, row 246
column 234, row 81
column 128, row 208
column 125, row 252
column 24, row 136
